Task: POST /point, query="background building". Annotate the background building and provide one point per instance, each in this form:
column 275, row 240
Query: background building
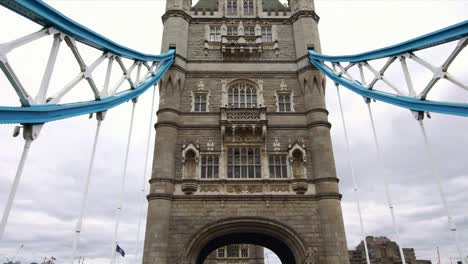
column 238, row 254
column 383, row 250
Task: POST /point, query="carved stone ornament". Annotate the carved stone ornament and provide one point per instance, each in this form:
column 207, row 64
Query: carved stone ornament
column 300, row 186
column 276, row 144
column 238, row 189
column 279, row 188
column 209, row 188
column 181, row 259
column 201, row 86
column 210, row 144
column 310, row 257
column 189, row 187
column 283, row 86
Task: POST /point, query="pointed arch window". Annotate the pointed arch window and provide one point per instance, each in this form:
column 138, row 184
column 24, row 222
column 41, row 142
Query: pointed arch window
column 248, row 7
column 242, row 95
column 232, row 7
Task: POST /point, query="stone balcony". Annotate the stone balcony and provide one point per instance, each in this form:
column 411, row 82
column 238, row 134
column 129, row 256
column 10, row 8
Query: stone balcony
column 237, row 119
column 238, row 45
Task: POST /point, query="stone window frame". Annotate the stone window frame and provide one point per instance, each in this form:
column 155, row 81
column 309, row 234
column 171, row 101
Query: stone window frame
column 245, row 91
column 257, row 147
column 200, row 92
column 248, row 7
column 284, row 91
column 209, row 154
column 232, row 7
column 287, row 164
column 227, row 83
column 214, row 33
column 267, row 33
column 291, row 100
column 224, row 249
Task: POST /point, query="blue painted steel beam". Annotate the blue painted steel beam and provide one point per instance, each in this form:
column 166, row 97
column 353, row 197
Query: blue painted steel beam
column 441, row 36
column 38, row 114
column 451, row 33
column 47, row 16
column 400, row 101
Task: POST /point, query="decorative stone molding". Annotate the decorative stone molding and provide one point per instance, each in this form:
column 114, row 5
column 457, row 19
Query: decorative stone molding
column 191, row 146
column 300, row 186
column 189, row 186
column 276, row 145
column 210, row 145
column 209, row 188
column 249, row 189
column 279, row 188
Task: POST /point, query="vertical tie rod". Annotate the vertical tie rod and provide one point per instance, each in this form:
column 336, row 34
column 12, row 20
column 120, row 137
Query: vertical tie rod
column 355, row 185
column 435, row 172
column 386, row 185
column 122, row 185
column 84, row 200
column 143, row 184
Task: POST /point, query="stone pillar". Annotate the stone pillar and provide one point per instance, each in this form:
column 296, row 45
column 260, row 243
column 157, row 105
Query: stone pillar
column 175, row 35
column 323, row 172
column 161, row 184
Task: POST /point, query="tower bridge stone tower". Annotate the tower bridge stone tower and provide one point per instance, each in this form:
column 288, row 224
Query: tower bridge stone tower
column 243, row 153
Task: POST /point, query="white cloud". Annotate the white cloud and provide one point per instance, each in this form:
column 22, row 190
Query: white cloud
column 45, row 210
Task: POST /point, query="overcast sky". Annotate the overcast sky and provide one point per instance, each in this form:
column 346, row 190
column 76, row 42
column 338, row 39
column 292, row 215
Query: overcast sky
column 47, row 202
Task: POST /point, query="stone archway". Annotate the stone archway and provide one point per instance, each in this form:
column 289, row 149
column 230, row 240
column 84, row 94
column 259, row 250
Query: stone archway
column 271, row 234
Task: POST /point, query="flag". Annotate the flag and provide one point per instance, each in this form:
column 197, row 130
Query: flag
column 120, row 250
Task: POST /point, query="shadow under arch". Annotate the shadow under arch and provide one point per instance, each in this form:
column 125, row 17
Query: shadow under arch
column 277, row 237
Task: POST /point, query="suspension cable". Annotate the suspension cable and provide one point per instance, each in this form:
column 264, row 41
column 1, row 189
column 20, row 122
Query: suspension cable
column 122, row 186
column 84, row 200
column 14, row 187
column 386, row 184
column 435, row 173
column 351, row 167
column 143, row 184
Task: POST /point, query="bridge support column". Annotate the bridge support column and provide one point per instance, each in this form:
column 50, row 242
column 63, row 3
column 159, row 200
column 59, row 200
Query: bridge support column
column 333, row 238
column 161, row 184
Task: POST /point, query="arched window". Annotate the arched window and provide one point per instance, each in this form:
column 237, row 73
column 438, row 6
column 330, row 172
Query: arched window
column 242, row 95
column 248, row 7
column 232, row 7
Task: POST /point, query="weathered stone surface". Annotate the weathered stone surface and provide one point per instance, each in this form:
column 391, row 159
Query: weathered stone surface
column 191, row 212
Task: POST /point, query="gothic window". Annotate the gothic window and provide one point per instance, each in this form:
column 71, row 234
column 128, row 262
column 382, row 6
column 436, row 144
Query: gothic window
column 232, row 31
column 248, row 7
column 278, row 166
column 209, row 167
column 190, row 165
column 249, row 31
column 242, row 95
column 232, row 7
column 266, row 34
column 284, row 102
column 243, row 162
column 200, row 102
column 298, row 164
column 215, row 34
